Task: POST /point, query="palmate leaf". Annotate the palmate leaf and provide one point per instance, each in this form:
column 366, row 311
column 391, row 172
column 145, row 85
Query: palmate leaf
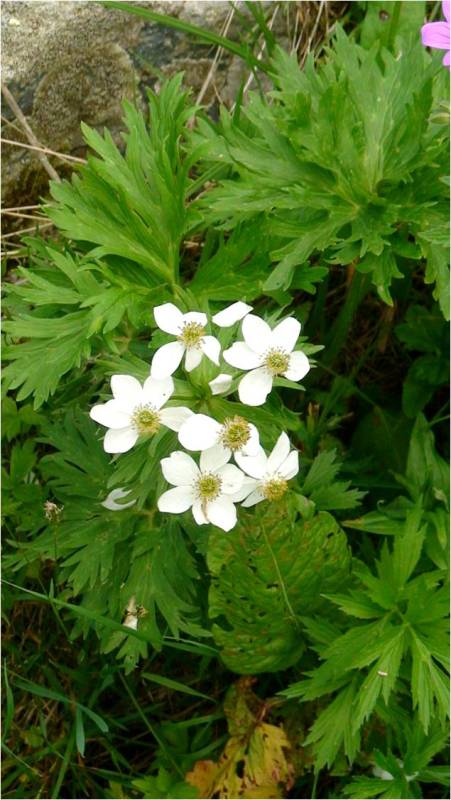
column 341, row 158
column 259, row 590
column 322, row 488
column 71, row 309
column 403, row 641
column 133, row 206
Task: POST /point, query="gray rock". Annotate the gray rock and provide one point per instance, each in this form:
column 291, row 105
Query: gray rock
column 65, row 62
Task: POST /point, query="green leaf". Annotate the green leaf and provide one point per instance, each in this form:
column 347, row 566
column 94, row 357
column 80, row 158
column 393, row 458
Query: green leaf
column 333, row 729
column 133, row 206
column 323, row 490
column 437, row 272
column 425, row 468
column 260, row 592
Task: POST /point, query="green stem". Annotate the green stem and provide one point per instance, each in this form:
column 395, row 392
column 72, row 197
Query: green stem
column 358, row 289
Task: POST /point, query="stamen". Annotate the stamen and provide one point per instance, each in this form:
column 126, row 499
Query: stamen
column 191, row 334
column 208, row 486
column 277, row 361
column 146, row 419
column 235, row 433
column 275, row 488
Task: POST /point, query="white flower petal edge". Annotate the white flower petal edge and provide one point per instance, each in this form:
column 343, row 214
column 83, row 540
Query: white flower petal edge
column 254, row 388
column 179, row 469
column 168, row 318
column 234, row 313
column 199, row 432
column 298, row 367
column 209, row 489
column 221, row 384
column 136, row 410
column 117, row 494
column 270, row 473
column 191, row 341
column 166, row 360
column 119, row 440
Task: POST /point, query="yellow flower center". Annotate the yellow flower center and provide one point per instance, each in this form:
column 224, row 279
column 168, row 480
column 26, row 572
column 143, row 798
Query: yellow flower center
column 235, row 433
column 191, row 334
column 275, row 488
column 146, row 419
column 208, row 486
column 277, row 361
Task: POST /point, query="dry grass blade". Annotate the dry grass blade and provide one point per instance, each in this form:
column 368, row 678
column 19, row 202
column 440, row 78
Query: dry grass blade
column 29, row 133
column 62, row 156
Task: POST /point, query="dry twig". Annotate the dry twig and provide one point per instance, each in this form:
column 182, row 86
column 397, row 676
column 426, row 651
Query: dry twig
column 29, row 133
column 63, row 156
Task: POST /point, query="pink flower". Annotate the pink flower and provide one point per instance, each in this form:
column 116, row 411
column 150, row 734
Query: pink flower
column 436, row 34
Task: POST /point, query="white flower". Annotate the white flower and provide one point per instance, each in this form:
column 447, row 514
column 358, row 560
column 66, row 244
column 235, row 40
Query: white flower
column 191, row 339
column 136, row 410
column 234, row 435
column 210, row 489
column 117, row 494
column 221, row 384
column 270, row 473
column 228, row 316
column 267, row 353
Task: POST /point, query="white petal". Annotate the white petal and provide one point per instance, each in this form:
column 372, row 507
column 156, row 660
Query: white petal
column 199, row 432
column 117, row 494
column 166, row 360
column 231, row 479
column 253, row 499
column 119, row 441
column 168, row 318
column 290, row 466
column 110, row 415
column 241, row 356
column 256, row 333
column 198, row 514
column 196, row 316
column 254, row 388
column 177, row 500
column 247, row 487
column 179, row 469
column 255, row 466
column 126, row 390
column 222, row 513
column 298, row 366
column 286, row 334
column 211, row 348
column 228, row 316
column 157, row 392
column 175, row 417
column 221, row 384
column 193, row 358
column 279, row 453
column 214, row 458
column 252, row 447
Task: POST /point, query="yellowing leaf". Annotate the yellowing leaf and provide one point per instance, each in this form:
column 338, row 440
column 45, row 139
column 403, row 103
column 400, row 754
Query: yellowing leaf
column 256, row 759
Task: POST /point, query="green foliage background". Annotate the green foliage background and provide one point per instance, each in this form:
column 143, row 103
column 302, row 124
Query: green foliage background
column 324, row 198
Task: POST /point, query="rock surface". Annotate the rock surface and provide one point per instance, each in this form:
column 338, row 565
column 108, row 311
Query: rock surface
column 65, row 62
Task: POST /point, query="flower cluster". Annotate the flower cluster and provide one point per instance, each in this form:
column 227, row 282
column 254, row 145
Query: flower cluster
column 212, row 487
